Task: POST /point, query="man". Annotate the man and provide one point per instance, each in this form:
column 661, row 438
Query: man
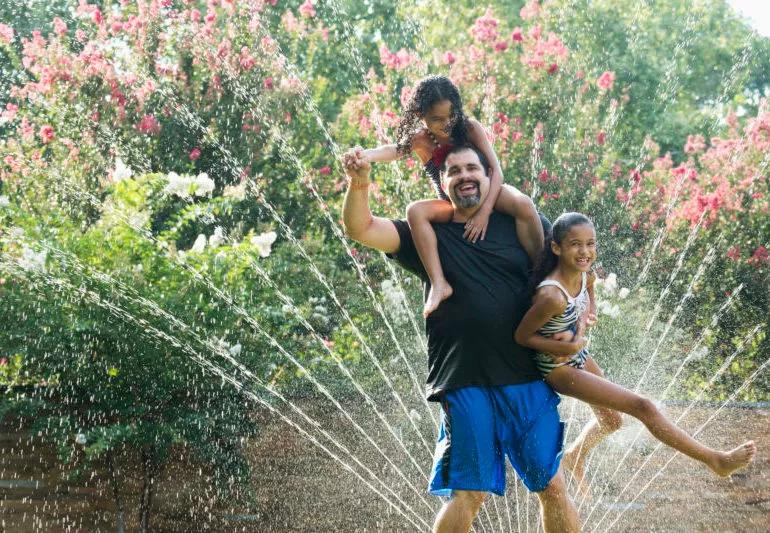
column 494, row 402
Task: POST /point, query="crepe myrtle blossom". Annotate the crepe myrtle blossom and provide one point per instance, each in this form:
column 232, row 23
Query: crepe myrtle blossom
column 217, row 238
column 186, row 186
column 264, row 242
column 121, row 171
column 31, row 260
column 606, row 80
column 199, row 245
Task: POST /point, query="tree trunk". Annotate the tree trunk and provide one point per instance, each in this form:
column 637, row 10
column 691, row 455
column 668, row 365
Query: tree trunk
column 150, row 471
column 120, row 526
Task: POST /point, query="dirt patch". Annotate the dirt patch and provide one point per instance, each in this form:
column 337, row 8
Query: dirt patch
column 300, row 487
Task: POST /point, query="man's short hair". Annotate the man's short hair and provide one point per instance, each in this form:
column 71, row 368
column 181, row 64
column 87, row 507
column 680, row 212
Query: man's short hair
column 462, row 148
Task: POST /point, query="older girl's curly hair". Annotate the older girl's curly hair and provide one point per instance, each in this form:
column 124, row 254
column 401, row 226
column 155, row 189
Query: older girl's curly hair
column 430, row 91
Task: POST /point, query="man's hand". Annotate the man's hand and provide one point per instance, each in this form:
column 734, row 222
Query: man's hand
column 476, row 226
column 356, row 165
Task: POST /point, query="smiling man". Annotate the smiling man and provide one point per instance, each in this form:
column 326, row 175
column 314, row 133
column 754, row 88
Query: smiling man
column 495, row 404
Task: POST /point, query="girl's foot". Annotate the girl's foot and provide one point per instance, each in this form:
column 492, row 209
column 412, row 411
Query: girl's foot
column 574, row 462
column 728, row 462
column 438, row 293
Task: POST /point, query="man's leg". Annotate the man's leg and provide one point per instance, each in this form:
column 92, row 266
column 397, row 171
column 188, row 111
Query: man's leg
column 457, row 515
column 556, row 508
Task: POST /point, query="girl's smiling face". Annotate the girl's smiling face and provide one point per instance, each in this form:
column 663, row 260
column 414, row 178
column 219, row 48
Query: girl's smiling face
column 577, row 249
column 438, row 118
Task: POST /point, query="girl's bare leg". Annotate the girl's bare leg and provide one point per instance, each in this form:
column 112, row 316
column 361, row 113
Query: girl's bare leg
column 420, row 215
column 598, row 391
column 605, row 422
column 529, row 229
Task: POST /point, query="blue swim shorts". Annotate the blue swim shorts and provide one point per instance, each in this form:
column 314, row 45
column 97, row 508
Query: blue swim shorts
column 480, row 426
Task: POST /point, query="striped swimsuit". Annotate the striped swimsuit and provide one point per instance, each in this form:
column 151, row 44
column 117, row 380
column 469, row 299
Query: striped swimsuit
column 567, row 321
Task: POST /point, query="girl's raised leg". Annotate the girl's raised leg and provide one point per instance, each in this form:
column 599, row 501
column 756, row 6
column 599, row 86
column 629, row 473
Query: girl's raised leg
column 420, row 215
column 598, row 391
column 605, row 422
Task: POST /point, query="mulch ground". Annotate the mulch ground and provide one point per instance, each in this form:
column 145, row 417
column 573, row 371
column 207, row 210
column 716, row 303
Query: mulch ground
column 299, row 487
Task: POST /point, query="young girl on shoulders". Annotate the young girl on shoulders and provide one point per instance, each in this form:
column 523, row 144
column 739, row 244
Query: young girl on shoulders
column 554, row 328
column 433, row 122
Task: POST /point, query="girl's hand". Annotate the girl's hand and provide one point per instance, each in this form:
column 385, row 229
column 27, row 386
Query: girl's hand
column 591, row 320
column 477, row 225
column 579, row 343
column 564, row 336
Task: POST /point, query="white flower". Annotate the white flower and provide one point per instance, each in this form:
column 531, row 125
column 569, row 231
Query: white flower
column 623, row 293
column 203, row 184
column 31, row 260
column 415, row 416
column 4, row 201
column 611, row 283
column 236, row 192
column 612, row 311
column 121, row 171
column 200, row 244
column 80, row 438
column 178, row 185
column 699, row 354
column 235, row 350
column 218, row 238
column 264, row 242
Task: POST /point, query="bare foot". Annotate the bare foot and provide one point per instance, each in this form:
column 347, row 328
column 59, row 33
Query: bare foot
column 728, row 462
column 438, row 293
column 575, row 464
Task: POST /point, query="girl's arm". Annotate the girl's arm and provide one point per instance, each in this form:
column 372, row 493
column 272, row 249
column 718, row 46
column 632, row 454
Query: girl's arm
column 547, row 303
column 591, row 312
column 382, row 154
column 477, row 226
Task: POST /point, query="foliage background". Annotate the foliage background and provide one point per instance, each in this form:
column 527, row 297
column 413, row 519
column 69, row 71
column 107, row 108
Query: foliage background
column 122, row 321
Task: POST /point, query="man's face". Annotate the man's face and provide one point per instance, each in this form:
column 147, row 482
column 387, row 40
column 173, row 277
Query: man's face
column 465, row 179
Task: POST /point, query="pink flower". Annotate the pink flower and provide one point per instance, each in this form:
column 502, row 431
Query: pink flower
column 96, row 16
column 10, row 112
column 484, row 30
column 601, row 137
column 246, row 60
column 449, row 58
column 267, row 83
column 606, row 80
column 406, row 95
column 325, row 171
column 734, row 253
column 760, row 257
column 195, row 15
column 553, row 68
column 530, row 10
column 46, row 134
column 195, row 153
column 501, row 46
column 535, row 32
column 517, row 35
column 516, row 136
column 694, row 144
column 307, row 9
column 544, row 177
column 6, row 33
column 59, row 26
column 3, row 361
column 148, row 125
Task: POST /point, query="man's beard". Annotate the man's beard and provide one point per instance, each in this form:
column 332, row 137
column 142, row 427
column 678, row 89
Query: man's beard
column 466, row 202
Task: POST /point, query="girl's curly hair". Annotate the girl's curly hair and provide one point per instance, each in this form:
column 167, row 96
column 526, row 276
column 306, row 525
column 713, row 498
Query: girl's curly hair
column 428, row 92
column 548, row 260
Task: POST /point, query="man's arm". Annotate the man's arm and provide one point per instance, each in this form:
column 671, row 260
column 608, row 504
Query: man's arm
column 375, row 232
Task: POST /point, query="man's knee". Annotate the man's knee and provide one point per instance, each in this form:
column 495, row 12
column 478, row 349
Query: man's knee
column 470, row 499
column 556, row 488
